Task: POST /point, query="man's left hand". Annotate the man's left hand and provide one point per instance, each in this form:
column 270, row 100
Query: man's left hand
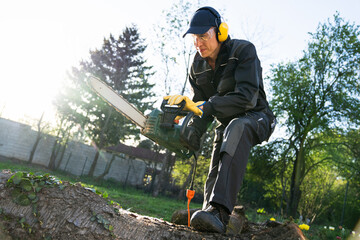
column 189, row 105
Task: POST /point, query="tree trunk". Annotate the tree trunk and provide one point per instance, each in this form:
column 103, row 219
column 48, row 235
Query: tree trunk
column 55, row 151
column 63, row 148
column 162, row 176
column 38, row 138
column 94, row 163
column 181, row 195
column 66, row 211
column 101, row 142
column 107, row 168
column 297, row 176
column 130, row 163
column 56, row 147
column 33, row 150
column 344, row 205
column 153, row 178
column 282, row 197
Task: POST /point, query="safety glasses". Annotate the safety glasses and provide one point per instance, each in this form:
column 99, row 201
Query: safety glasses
column 203, row 37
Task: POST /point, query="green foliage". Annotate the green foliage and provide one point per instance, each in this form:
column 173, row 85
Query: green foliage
column 267, row 176
column 97, row 191
column 21, row 221
column 147, row 144
column 26, row 185
column 103, row 221
column 261, row 211
column 345, row 151
column 121, row 65
column 207, row 145
column 314, row 95
column 319, row 232
column 323, row 86
column 182, row 169
column 334, row 203
column 323, row 191
column 320, row 190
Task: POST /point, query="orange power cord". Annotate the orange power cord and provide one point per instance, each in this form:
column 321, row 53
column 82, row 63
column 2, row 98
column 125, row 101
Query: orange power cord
column 190, row 193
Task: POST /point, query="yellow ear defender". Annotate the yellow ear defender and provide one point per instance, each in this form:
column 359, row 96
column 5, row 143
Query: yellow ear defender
column 222, row 27
column 223, row 32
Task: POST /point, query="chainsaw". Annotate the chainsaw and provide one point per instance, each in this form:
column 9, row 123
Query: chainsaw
column 159, row 125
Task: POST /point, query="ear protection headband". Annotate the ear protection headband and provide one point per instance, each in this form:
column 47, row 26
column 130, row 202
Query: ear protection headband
column 222, row 27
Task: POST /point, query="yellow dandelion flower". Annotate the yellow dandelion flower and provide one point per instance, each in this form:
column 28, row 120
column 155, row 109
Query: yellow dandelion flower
column 304, row 227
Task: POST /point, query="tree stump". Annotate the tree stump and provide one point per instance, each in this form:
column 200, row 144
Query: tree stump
column 66, row 211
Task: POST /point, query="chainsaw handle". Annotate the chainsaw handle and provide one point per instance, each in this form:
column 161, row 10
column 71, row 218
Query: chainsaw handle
column 185, row 123
column 170, row 112
column 176, row 109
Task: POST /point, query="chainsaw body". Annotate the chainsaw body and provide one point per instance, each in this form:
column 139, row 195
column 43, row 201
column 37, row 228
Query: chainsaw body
column 160, row 127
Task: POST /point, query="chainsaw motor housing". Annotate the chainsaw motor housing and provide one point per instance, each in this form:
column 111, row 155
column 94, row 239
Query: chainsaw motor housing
column 160, row 127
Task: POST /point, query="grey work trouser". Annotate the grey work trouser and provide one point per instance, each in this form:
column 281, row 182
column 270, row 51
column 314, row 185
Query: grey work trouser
column 230, row 154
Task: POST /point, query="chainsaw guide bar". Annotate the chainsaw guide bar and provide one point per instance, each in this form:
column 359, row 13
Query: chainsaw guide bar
column 117, row 101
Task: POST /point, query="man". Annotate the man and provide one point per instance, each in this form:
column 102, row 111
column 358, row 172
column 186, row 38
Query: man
column 226, row 78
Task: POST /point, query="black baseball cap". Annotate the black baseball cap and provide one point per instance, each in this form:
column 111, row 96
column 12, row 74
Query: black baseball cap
column 201, row 22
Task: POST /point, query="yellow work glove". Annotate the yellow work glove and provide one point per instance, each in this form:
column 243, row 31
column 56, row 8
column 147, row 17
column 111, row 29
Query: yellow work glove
column 189, row 105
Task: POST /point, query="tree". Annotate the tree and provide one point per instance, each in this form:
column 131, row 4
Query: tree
column 121, row 65
column 316, row 94
column 62, row 136
column 175, row 60
column 39, row 135
column 183, row 173
column 346, row 152
column 323, row 189
column 346, row 155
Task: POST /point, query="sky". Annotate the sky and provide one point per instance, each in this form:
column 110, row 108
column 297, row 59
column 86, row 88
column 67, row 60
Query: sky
column 40, row 40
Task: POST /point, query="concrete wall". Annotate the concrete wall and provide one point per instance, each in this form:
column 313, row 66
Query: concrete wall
column 17, row 141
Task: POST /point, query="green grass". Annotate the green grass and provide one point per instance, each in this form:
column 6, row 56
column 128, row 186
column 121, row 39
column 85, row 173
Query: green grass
column 142, row 203
column 129, row 198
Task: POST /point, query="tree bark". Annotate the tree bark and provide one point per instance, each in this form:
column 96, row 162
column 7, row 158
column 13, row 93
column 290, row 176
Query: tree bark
column 297, row 176
column 73, row 212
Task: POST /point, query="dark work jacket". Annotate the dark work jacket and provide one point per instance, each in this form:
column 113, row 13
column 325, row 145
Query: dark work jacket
column 233, row 88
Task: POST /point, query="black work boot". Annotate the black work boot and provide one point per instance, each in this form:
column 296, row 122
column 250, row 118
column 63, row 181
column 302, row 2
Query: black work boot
column 212, row 219
column 180, row 217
